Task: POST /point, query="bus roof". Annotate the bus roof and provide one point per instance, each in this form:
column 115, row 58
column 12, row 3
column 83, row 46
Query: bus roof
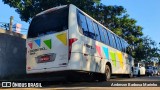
column 51, row 9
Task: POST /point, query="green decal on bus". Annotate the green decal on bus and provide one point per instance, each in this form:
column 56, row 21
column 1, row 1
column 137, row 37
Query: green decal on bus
column 48, row 43
column 113, row 57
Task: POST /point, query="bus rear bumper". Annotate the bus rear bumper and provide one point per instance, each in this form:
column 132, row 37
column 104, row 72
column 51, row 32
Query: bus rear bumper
column 46, row 70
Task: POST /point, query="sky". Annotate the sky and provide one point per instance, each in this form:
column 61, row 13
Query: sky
column 145, row 12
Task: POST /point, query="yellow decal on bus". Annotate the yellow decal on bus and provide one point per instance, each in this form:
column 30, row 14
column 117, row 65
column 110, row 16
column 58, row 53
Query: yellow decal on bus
column 63, row 38
column 120, row 58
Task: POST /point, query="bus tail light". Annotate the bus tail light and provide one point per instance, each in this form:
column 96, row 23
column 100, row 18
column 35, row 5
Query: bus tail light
column 71, row 41
column 29, row 68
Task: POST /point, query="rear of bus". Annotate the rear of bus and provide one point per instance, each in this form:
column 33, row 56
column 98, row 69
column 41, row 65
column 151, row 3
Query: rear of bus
column 47, row 42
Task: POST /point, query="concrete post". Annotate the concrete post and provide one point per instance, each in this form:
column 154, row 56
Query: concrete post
column 11, row 24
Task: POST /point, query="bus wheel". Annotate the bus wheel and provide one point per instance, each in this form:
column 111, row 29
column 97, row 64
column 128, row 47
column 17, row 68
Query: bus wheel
column 107, row 73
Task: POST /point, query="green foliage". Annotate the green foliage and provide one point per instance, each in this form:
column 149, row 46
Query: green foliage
column 147, row 49
column 113, row 17
column 29, row 8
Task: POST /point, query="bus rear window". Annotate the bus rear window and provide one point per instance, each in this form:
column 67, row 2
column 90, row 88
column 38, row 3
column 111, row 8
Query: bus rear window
column 51, row 22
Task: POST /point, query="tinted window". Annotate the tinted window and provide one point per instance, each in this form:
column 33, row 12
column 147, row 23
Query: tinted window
column 83, row 24
column 110, row 39
column 123, row 45
column 90, row 28
column 114, row 41
column 101, row 33
column 106, row 36
column 117, row 43
column 120, row 45
column 50, row 22
column 96, row 31
column 115, row 38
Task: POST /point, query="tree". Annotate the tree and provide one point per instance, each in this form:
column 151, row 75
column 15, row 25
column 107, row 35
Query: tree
column 29, row 8
column 147, row 50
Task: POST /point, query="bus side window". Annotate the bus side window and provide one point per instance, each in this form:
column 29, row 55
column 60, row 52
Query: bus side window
column 90, row 28
column 106, row 36
column 119, row 42
column 79, row 22
column 114, row 41
column 101, row 34
column 97, row 35
column 123, row 46
column 110, row 39
column 83, row 24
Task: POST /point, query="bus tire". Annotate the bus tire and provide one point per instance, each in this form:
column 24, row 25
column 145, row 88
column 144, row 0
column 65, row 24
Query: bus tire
column 107, row 73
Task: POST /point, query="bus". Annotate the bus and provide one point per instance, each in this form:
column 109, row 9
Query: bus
column 65, row 38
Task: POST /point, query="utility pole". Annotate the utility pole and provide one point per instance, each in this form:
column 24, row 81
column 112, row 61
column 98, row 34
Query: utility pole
column 11, row 24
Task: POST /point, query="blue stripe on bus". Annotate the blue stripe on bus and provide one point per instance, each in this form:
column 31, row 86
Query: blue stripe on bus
column 38, row 42
column 106, row 52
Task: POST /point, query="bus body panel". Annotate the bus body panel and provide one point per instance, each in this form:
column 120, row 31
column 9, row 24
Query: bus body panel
column 54, row 45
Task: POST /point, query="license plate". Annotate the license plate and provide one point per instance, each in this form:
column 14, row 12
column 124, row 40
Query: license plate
column 46, row 58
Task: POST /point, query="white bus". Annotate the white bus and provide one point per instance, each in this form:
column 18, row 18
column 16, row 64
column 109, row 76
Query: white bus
column 65, row 38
